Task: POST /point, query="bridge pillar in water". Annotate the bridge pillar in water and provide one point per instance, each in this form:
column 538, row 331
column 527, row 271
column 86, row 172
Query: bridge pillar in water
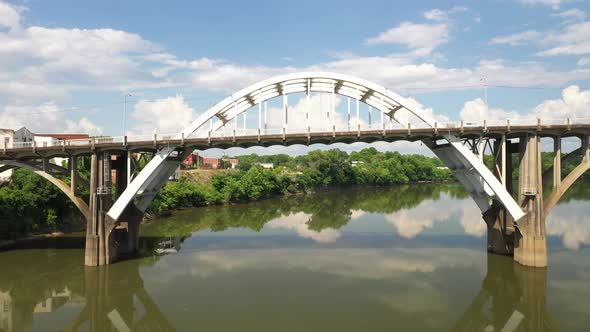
column 500, row 235
column 530, row 242
column 108, row 240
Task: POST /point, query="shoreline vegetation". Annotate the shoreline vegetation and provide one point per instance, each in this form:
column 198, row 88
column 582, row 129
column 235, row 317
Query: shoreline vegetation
column 316, row 171
column 31, row 206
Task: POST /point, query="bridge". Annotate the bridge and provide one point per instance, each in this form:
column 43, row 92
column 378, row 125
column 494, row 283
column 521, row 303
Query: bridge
column 120, row 190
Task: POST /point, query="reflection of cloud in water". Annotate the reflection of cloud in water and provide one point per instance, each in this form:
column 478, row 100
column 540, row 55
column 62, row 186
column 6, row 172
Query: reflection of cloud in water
column 298, row 222
column 570, row 221
column 353, row 263
column 355, row 214
column 412, row 222
column 471, row 220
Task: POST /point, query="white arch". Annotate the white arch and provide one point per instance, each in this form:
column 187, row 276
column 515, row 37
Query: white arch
column 78, row 202
column 468, row 169
column 370, row 93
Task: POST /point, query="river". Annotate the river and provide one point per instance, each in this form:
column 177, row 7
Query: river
column 408, row 258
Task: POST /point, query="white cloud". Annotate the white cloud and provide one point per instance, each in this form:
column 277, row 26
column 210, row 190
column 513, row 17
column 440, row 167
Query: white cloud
column 52, row 62
column 83, row 126
column 574, row 103
column 44, row 118
column 572, row 39
column 585, row 61
column 555, row 4
column 167, row 115
column 477, row 110
column 9, row 15
column 399, row 74
column 421, row 39
column 573, row 14
column 443, row 15
column 436, row 15
column 520, row 38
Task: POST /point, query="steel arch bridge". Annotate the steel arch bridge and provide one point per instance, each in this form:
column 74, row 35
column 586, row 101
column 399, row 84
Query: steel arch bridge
column 471, row 172
column 515, row 226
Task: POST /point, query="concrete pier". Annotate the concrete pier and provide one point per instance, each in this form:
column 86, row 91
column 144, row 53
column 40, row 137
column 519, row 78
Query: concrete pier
column 530, row 242
column 108, row 240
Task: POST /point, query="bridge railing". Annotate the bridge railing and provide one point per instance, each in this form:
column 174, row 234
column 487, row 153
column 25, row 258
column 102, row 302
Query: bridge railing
column 324, row 127
column 354, row 127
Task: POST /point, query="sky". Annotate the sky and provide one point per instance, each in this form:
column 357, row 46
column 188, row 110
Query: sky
column 69, row 66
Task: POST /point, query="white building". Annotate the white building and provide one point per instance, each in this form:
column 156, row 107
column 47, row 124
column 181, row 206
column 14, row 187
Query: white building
column 6, row 139
column 25, row 135
column 265, row 165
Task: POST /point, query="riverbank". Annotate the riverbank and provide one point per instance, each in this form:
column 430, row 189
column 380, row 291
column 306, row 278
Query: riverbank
column 317, row 171
column 32, row 205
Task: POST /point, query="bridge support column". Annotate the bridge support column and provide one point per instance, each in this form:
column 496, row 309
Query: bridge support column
column 100, row 247
column 557, row 162
column 500, row 223
column 91, row 253
column 73, row 164
column 530, row 247
column 127, row 232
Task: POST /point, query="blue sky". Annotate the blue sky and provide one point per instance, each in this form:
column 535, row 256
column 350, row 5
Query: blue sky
column 66, row 65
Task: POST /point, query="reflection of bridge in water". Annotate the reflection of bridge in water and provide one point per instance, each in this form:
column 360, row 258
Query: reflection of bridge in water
column 514, row 212
column 109, row 299
column 511, row 298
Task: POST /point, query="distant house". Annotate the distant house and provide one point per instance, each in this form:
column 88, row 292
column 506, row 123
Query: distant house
column 25, row 135
column 190, row 160
column 6, row 139
column 266, row 165
column 356, row 163
column 210, row 163
column 231, row 162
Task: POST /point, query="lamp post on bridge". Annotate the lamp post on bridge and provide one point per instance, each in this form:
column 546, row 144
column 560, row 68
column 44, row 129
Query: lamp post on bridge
column 125, row 114
column 485, row 89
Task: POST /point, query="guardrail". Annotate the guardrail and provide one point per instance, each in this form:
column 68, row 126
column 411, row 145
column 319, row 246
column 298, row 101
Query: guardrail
column 314, row 128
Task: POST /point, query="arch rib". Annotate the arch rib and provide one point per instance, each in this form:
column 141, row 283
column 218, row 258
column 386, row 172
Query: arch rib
column 78, row 202
column 373, row 94
column 471, row 171
column 547, row 174
column 569, row 180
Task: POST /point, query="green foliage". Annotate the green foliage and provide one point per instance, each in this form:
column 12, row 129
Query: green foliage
column 316, row 170
column 325, row 209
column 31, row 204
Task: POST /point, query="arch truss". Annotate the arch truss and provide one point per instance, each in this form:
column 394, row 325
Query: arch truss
column 483, row 186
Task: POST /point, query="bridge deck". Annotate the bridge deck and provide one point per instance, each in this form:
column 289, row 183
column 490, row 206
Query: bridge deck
column 306, row 138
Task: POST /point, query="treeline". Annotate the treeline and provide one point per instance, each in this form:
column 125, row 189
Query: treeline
column 315, row 171
column 325, row 209
column 30, row 204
